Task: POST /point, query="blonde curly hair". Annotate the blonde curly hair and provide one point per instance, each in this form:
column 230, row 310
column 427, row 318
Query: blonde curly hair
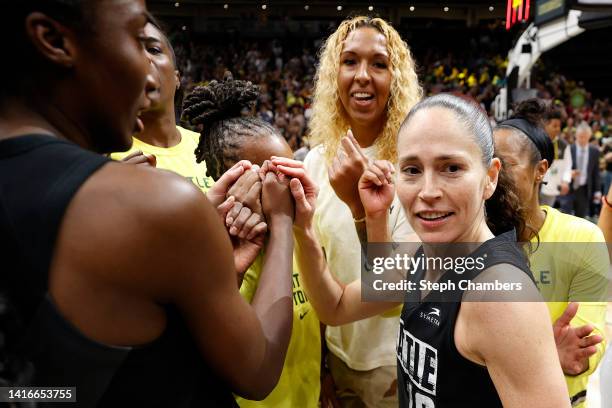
column 329, row 121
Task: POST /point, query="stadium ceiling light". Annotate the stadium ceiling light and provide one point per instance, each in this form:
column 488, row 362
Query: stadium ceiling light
column 491, row 8
column 263, row 6
column 184, row 28
column 446, row 9
column 339, row 8
column 411, row 8
column 306, row 7
column 226, row 6
column 370, row 8
column 177, row 4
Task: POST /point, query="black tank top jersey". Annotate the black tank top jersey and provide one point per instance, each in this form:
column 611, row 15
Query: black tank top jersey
column 39, row 176
column 431, row 371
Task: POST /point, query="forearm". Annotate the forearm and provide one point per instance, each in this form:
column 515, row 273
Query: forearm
column 335, row 303
column 272, row 301
column 605, row 219
column 324, row 292
column 377, row 228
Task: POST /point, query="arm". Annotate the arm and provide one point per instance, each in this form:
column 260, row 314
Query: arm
column 605, row 219
column 245, row 344
column 515, row 342
column 171, row 248
column 334, row 302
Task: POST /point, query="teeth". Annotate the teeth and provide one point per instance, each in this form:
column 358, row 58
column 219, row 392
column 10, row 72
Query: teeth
column 362, row 95
column 432, row 215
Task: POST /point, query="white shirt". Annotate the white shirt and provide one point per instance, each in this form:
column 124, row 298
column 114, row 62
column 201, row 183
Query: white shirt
column 368, row 343
column 559, row 172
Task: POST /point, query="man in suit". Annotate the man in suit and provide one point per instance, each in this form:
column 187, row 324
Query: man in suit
column 558, row 178
column 585, row 171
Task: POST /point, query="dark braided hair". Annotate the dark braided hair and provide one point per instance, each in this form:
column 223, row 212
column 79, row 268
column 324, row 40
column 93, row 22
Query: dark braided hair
column 217, row 108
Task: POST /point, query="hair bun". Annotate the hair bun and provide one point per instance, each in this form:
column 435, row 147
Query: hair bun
column 219, row 100
column 532, row 110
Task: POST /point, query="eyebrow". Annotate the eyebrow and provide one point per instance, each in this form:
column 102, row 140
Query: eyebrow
column 446, row 157
column 377, row 54
column 150, row 39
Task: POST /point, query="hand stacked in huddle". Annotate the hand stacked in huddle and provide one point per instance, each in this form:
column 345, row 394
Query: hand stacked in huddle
column 249, row 199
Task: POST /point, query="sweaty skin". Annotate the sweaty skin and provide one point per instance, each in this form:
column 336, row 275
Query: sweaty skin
column 133, row 239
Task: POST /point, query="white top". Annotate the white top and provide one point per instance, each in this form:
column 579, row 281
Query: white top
column 560, row 171
column 368, row 343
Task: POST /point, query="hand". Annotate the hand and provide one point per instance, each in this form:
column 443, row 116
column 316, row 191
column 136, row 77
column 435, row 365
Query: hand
column 376, row 189
column 564, row 189
column 575, row 174
column 345, row 171
column 216, row 194
column 138, row 157
column 276, row 197
column 247, row 224
column 245, row 252
column 303, row 189
column 248, row 244
column 247, row 192
column 574, row 345
column 597, row 197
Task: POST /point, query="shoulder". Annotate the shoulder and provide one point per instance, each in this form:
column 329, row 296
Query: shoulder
column 131, row 207
column 497, row 328
column 569, row 228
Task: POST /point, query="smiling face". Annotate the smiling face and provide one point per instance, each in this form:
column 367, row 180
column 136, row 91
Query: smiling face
column 443, row 183
column 364, row 77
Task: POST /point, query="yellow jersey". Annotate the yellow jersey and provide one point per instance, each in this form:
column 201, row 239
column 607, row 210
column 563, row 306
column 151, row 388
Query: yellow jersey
column 571, row 263
column 179, row 159
column 299, row 383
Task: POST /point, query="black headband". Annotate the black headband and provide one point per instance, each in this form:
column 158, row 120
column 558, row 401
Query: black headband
column 536, row 134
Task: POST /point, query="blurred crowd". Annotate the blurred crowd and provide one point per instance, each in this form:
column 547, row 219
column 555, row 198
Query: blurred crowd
column 284, row 71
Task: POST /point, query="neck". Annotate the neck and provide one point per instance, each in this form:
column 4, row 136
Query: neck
column 366, row 135
column 534, row 219
column 18, row 117
column 160, row 129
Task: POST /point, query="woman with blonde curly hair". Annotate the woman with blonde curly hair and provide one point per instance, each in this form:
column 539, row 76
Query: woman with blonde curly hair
column 364, row 87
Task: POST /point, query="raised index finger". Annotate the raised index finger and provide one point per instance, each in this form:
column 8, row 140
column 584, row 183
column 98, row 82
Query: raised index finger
column 356, row 144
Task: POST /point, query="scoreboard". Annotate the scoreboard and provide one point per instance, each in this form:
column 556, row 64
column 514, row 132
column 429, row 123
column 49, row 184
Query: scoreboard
column 517, row 11
column 547, row 10
column 542, row 11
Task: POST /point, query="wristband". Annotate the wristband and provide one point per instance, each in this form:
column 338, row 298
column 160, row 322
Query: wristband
column 360, row 219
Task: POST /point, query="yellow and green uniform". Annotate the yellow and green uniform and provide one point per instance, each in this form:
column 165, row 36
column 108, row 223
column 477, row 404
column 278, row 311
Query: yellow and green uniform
column 573, row 268
column 299, row 384
column 179, row 159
